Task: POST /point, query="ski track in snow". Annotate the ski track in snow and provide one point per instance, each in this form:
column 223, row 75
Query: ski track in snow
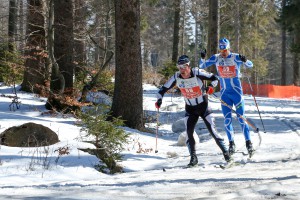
column 272, row 173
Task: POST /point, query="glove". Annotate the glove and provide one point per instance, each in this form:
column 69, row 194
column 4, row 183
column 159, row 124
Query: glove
column 203, row 53
column 158, row 103
column 243, row 58
column 209, row 90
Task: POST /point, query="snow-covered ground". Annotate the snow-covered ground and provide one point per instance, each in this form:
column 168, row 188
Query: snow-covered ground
column 273, row 172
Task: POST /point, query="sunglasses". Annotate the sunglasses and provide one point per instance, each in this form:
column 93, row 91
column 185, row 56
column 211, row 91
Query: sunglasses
column 223, row 50
column 183, row 66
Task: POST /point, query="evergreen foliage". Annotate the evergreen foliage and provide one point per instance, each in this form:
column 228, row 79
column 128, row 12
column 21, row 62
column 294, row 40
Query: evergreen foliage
column 11, row 66
column 291, row 19
column 105, row 135
column 249, row 26
column 169, row 69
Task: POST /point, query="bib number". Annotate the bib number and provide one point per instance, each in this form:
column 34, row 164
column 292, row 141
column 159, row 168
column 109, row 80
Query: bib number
column 191, row 93
column 227, row 71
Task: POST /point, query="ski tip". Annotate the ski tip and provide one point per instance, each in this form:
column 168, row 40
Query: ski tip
column 188, row 166
column 257, row 130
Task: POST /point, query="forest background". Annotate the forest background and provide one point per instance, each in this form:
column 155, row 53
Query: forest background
column 59, row 49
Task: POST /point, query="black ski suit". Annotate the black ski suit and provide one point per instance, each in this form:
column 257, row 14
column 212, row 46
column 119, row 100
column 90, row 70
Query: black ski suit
column 196, row 106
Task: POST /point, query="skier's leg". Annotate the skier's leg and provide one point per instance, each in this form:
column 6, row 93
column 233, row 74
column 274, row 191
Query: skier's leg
column 209, row 120
column 240, row 109
column 210, row 124
column 227, row 118
column 190, row 123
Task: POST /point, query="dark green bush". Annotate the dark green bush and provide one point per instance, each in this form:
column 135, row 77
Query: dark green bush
column 107, row 136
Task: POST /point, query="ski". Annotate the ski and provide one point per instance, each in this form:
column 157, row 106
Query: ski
column 182, row 167
column 249, row 155
column 237, row 163
column 228, row 165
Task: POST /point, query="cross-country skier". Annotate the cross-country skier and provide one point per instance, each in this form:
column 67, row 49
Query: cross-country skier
column 228, row 67
column 190, row 82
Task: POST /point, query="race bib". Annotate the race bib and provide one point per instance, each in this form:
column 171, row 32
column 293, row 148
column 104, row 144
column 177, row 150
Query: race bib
column 189, row 88
column 227, row 71
column 191, row 93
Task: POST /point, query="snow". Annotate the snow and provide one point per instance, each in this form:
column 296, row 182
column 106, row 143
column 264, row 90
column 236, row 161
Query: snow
column 38, row 173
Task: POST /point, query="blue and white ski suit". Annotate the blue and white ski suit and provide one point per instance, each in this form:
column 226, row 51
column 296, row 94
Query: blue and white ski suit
column 231, row 89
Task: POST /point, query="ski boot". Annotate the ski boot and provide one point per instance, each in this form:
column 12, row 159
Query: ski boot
column 250, row 148
column 231, row 149
column 193, row 161
column 227, row 156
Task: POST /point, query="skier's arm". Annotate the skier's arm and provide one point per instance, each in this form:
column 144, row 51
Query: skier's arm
column 168, row 85
column 204, row 75
column 206, row 63
column 241, row 58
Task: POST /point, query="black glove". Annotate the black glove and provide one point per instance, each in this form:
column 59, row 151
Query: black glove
column 243, row 58
column 203, row 53
column 158, row 103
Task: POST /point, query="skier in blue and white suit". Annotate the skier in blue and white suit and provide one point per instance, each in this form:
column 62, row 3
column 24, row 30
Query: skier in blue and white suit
column 190, row 82
column 228, row 66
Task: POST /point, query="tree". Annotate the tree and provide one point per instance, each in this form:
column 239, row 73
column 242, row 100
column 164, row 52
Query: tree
column 128, row 91
column 283, row 49
column 176, row 30
column 291, row 18
column 238, row 17
column 35, row 68
column 12, row 25
column 64, row 39
column 296, row 59
column 213, row 28
column 79, row 35
column 157, row 29
column 199, row 11
column 57, row 83
column 100, row 34
column 21, row 25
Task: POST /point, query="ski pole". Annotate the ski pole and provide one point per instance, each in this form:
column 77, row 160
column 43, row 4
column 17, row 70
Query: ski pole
column 241, row 116
column 157, row 115
column 256, row 104
column 248, row 121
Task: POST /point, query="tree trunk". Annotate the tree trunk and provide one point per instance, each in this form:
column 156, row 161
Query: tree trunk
column 64, row 40
column 57, row 83
column 237, row 25
column 12, row 25
column 176, row 30
column 296, row 60
column 22, row 27
column 196, row 40
column 213, row 29
column 283, row 50
column 35, row 69
column 128, row 91
column 183, row 31
column 79, row 29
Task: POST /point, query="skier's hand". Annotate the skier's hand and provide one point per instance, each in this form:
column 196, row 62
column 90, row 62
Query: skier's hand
column 203, row 53
column 158, row 103
column 209, row 90
column 243, row 58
